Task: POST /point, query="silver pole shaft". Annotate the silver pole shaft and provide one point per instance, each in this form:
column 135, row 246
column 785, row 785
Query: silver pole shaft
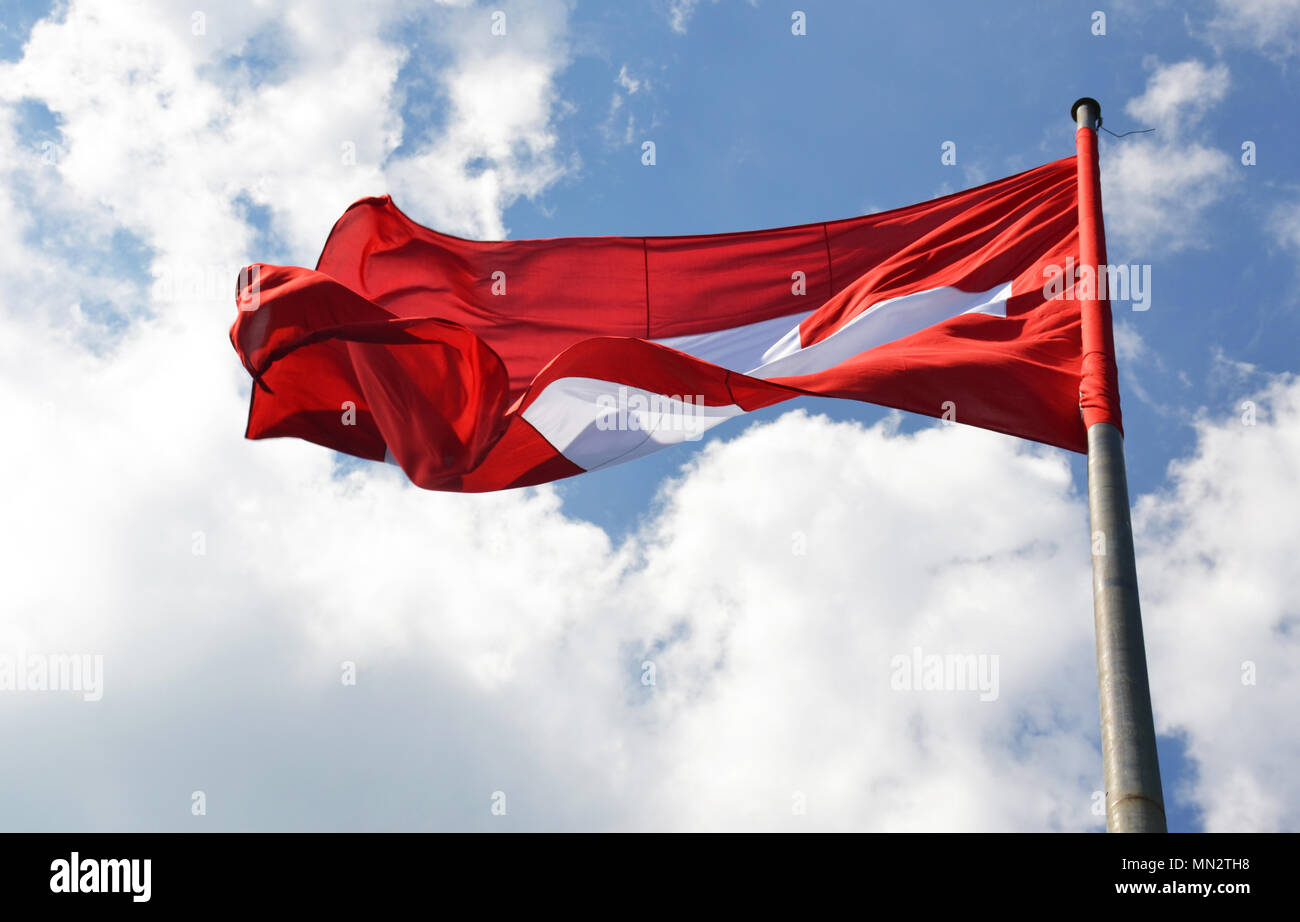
column 1134, row 800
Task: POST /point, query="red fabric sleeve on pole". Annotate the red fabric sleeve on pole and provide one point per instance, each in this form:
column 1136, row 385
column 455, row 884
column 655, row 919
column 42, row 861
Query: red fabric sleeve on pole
column 1098, row 378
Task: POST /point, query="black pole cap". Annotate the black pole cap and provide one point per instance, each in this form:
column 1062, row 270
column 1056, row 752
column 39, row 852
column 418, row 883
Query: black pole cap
column 1082, row 100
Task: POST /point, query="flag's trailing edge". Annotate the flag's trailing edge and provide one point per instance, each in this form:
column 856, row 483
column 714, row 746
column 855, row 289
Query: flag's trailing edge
column 486, row 365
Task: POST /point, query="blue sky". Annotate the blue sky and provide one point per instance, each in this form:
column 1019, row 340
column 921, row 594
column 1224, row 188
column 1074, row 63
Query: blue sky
column 178, row 153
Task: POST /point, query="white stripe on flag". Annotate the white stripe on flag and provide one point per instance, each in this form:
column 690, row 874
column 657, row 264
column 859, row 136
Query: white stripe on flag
column 596, row 423
column 879, row 324
column 737, row 348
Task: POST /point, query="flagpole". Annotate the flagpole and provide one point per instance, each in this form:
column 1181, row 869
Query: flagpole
column 1134, row 802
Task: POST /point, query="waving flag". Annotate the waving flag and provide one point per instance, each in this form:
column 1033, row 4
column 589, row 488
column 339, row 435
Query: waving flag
column 486, row 365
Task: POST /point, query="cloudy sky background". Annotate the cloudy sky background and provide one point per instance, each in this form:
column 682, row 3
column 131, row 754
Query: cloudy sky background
column 769, row 574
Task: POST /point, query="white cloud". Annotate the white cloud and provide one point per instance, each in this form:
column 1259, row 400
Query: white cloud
column 140, row 97
column 1157, row 187
column 779, row 681
column 618, row 130
column 1269, row 26
column 1155, row 201
column 1129, row 345
column 1178, row 95
column 680, row 13
column 1216, row 564
column 1284, row 223
column 628, row 82
column 503, row 101
column 145, row 105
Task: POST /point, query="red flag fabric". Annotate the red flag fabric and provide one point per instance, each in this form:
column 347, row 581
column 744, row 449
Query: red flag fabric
column 486, row 365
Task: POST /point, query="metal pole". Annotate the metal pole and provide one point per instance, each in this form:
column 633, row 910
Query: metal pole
column 1134, row 802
